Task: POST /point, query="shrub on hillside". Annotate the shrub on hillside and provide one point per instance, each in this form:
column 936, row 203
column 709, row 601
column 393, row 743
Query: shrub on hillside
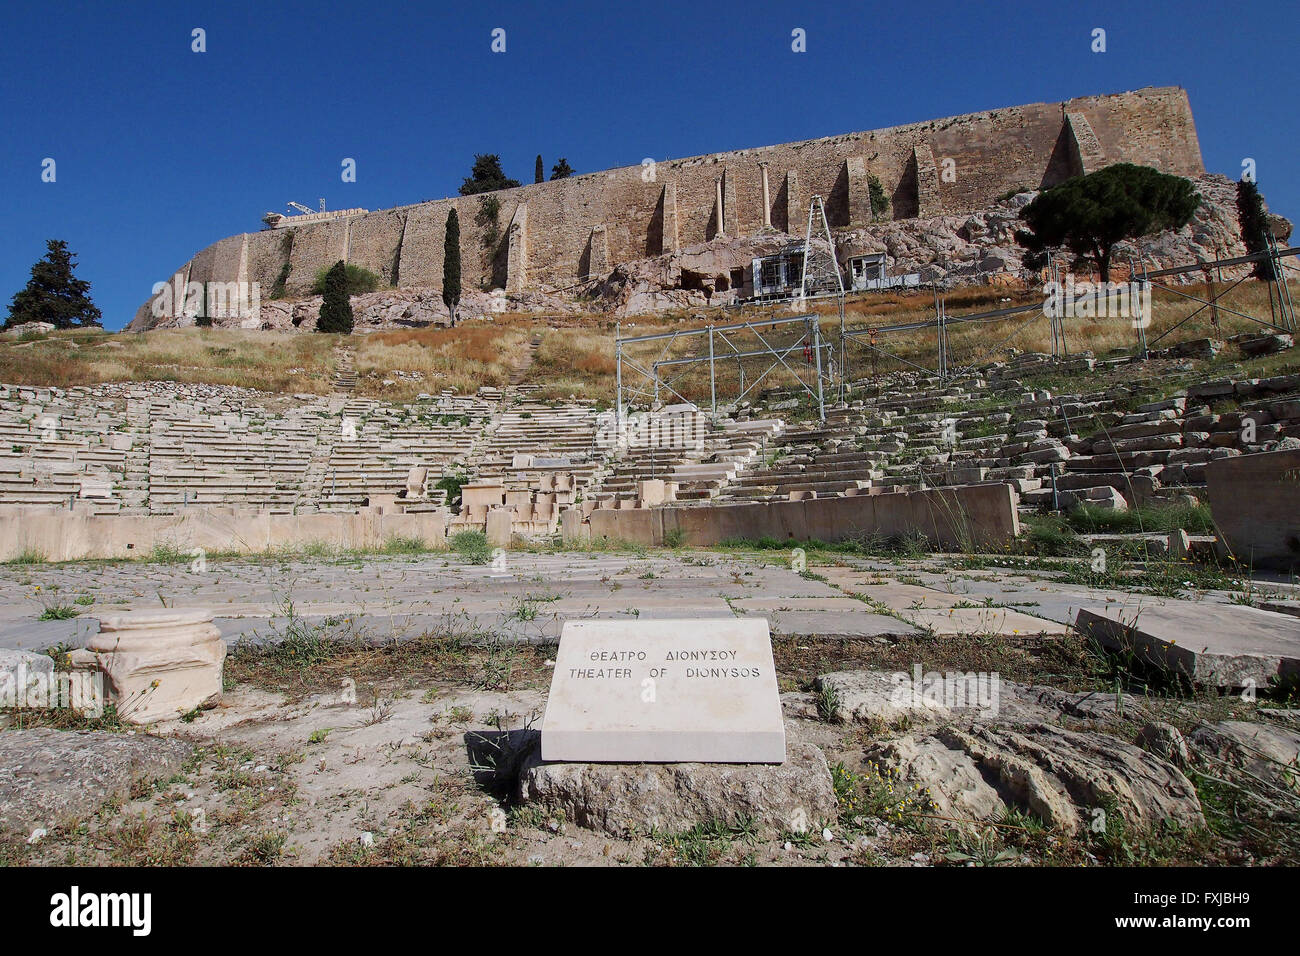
column 358, row 280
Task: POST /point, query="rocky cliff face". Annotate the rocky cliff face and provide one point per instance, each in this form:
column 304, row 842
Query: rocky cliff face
column 963, row 250
column 388, row 310
column 949, row 251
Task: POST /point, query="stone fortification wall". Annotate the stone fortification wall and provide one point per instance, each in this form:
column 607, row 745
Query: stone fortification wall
column 552, row 235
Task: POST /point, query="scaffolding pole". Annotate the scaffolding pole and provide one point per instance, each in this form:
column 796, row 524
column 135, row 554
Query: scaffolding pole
column 713, row 378
column 1279, row 276
column 817, row 356
column 618, row 376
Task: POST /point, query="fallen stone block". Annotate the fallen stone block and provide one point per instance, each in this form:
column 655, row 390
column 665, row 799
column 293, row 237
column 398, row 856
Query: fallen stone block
column 1136, row 488
column 962, row 476
column 1012, row 471
column 1176, row 404
column 1045, row 455
column 1149, row 443
column 1248, row 388
column 1281, row 411
column 21, row 672
column 1219, row 388
column 1281, row 383
column 1196, row 348
column 1257, row 345
column 1214, row 645
column 1103, row 496
column 1144, row 430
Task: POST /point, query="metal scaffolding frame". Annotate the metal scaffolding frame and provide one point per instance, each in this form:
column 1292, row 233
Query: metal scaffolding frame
column 1282, row 313
column 1281, row 302
column 943, row 369
column 837, row 375
column 819, row 278
column 821, row 267
column 812, row 344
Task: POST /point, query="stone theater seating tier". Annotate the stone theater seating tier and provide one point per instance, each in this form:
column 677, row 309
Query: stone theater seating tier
column 87, row 471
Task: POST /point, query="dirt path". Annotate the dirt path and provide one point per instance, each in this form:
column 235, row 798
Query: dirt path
column 345, row 376
column 520, row 371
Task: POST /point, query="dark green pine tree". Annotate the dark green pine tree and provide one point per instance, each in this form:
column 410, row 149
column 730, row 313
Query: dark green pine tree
column 539, row 171
column 486, row 176
column 1089, row 214
column 336, row 306
column 562, row 169
column 1254, row 226
column 54, row 294
column 451, row 265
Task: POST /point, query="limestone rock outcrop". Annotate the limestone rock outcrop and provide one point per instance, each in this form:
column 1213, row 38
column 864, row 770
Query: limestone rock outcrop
column 1269, row 751
column 1060, row 776
column 623, row 799
column 976, row 763
column 383, row 311
column 689, row 277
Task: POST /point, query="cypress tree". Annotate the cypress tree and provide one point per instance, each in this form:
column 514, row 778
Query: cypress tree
column 1254, row 226
column 539, row 170
column 451, row 265
column 879, row 201
column 336, row 307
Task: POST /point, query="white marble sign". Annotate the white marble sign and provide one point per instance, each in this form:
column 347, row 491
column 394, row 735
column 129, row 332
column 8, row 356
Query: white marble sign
column 664, row 691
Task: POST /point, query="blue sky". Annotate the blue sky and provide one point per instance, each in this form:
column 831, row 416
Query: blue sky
column 161, row 151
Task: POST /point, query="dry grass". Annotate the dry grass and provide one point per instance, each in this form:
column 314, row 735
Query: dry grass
column 968, row 343
column 573, row 362
column 576, row 353
column 249, row 359
column 462, row 358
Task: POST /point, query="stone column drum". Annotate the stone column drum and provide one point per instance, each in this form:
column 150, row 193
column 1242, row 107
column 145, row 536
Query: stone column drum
column 158, row 665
